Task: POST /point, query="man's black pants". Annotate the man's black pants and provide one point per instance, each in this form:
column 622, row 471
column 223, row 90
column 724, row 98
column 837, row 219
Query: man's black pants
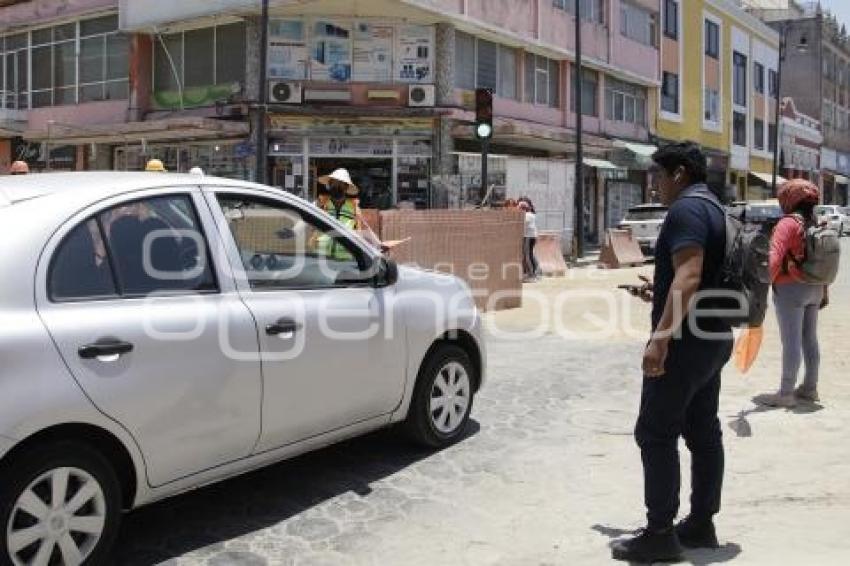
column 683, row 402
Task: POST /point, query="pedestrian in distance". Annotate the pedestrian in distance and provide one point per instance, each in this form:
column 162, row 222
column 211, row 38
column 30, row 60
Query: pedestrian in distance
column 797, row 296
column 682, row 363
column 530, row 267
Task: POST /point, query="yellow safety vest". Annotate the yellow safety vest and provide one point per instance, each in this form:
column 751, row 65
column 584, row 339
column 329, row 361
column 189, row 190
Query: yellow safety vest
column 347, row 214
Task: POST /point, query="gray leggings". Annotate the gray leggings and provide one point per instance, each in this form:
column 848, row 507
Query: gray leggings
column 797, row 307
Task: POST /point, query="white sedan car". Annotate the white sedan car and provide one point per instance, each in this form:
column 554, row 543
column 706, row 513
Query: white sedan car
column 160, row 332
column 645, row 221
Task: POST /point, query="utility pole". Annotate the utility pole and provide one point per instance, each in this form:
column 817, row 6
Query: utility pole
column 776, row 136
column 579, row 182
column 262, row 143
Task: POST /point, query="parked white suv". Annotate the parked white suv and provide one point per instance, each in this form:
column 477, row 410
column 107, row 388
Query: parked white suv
column 160, row 332
column 835, row 217
column 644, row 221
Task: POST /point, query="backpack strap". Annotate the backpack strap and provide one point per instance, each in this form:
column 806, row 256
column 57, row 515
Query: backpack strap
column 730, row 232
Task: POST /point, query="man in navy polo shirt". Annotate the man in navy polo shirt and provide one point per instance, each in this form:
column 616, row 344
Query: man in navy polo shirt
column 682, row 364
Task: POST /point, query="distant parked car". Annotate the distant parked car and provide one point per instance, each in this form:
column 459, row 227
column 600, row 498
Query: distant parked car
column 764, row 213
column 644, row 221
column 838, row 218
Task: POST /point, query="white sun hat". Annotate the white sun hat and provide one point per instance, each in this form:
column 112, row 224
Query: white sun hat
column 342, row 176
column 196, row 171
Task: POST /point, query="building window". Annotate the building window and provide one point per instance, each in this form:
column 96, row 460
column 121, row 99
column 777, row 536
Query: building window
column 542, row 80
column 637, row 24
column 507, row 72
column 483, row 64
column 771, row 137
column 591, row 10
column 104, row 56
column 198, row 59
column 670, row 93
column 589, row 92
column 465, row 61
column 73, row 62
column 671, row 19
column 712, row 39
column 758, row 133
column 487, row 64
column 758, row 77
column 773, row 82
column 15, row 59
column 625, row 102
column 739, row 129
column 739, row 79
column 712, row 106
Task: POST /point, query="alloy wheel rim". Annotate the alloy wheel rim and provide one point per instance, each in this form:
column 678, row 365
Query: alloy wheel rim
column 58, row 519
column 450, row 397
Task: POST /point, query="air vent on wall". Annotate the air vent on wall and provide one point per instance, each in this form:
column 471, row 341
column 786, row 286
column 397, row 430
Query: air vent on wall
column 285, row 93
column 422, row 95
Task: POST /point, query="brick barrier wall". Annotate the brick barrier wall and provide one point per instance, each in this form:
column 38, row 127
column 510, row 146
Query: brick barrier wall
column 482, row 247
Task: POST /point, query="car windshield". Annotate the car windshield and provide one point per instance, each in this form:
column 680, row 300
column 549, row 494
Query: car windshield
column 645, row 214
column 761, row 212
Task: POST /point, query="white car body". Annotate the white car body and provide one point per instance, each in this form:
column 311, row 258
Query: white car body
column 645, row 221
column 834, row 216
column 186, row 409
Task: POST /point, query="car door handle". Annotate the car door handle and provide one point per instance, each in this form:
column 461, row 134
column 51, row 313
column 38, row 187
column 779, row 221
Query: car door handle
column 283, row 326
column 106, row 350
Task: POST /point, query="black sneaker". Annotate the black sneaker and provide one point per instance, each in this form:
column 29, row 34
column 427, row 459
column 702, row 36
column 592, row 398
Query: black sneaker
column 649, row 547
column 695, row 533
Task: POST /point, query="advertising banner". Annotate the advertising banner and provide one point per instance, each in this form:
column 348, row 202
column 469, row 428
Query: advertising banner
column 331, row 46
column 415, row 54
column 288, row 57
column 373, row 50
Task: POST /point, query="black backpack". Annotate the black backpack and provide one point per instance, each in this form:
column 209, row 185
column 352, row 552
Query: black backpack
column 745, row 273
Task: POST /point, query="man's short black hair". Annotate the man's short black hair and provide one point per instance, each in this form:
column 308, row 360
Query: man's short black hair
column 684, row 154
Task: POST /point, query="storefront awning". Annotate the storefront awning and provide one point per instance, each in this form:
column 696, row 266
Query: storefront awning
column 599, row 163
column 768, row 178
column 155, row 130
column 639, row 149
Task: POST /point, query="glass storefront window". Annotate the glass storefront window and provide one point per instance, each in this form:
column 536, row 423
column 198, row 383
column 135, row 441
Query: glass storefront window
column 414, row 174
column 219, row 159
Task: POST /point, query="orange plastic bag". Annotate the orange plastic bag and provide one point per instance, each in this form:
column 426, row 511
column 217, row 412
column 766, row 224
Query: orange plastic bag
column 747, row 348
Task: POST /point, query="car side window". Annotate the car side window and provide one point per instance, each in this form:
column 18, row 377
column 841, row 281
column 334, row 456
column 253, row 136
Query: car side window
column 284, row 248
column 156, row 245
column 80, row 269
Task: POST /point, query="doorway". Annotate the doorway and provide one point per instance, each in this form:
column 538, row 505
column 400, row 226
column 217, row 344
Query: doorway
column 373, row 176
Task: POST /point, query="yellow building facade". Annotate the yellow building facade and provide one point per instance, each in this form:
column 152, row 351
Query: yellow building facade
column 718, row 79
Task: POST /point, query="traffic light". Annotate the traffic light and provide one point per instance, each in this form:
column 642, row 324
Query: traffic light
column 483, row 113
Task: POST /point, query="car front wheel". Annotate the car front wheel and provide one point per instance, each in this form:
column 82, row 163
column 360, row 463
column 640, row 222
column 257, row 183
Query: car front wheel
column 442, row 401
column 59, row 505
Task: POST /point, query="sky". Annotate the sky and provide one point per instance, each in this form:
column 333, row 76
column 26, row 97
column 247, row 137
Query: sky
column 841, row 9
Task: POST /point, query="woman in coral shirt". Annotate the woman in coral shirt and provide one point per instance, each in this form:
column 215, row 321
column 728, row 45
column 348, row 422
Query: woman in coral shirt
column 797, row 303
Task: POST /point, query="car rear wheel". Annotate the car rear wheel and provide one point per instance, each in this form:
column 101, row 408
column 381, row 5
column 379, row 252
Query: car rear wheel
column 442, row 401
column 60, row 505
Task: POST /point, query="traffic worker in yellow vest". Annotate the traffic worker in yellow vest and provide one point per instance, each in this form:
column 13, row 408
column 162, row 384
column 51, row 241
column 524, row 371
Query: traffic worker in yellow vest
column 342, row 205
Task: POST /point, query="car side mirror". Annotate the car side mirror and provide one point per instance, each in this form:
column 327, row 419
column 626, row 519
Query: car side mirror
column 387, row 273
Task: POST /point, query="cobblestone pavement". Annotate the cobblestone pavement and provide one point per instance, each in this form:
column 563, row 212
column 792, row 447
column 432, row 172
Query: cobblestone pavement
column 548, row 474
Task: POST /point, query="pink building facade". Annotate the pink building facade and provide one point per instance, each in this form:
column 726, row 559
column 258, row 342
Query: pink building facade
column 386, row 90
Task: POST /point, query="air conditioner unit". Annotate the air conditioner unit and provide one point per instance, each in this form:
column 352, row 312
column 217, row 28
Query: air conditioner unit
column 422, row 95
column 285, row 93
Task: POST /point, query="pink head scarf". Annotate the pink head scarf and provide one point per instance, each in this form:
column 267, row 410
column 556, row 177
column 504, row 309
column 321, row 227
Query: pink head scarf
column 795, row 192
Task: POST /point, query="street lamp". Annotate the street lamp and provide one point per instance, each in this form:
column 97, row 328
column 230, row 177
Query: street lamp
column 802, row 47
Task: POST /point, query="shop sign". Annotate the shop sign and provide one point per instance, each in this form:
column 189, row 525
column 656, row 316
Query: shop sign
column 351, row 147
column 354, row 128
column 340, row 50
column 373, row 52
column 287, row 50
column 244, row 150
column 331, row 46
column 415, row 54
